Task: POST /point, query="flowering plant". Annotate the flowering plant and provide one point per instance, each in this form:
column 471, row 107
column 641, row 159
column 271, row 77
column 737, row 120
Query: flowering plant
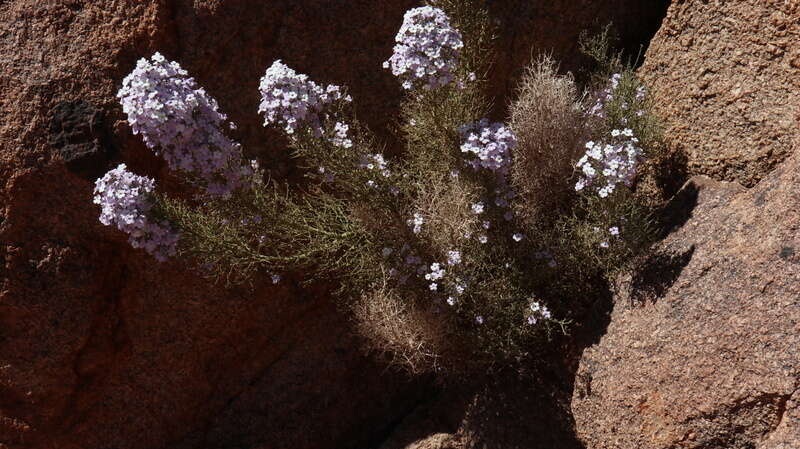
column 437, row 237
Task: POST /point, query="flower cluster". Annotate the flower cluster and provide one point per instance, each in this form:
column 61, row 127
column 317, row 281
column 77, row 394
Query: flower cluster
column 538, row 311
column 124, row 198
column 607, row 164
column 375, row 162
column 291, row 100
column 416, row 222
column 427, row 49
column 613, row 231
column 182, row 123
column 340, row 138
column 491, row 143
column 436, row 273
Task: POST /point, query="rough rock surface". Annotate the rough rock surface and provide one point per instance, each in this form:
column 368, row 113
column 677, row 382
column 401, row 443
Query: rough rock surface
column 703, row 349
column 726, row 75
column 102, row 347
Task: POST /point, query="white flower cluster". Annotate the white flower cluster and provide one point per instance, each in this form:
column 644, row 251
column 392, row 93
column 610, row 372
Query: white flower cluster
column 291, row 100
column 453, row 257
column 376, row 164
column 416, row 222
column 607, row 164
column 538, row 311
column 491, row 143
column 124, row 198
column 340, row 138
column 436, row 273
column 427, row 49
column 182, row 123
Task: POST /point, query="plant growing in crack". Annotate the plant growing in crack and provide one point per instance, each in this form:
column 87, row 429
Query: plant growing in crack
column 469, row 249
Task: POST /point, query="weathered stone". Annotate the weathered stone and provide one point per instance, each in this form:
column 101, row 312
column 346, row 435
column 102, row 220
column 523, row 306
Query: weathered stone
column 726, row 76
column 706, row 357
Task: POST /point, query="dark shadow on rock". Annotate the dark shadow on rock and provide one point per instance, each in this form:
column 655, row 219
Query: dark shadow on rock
column 657, row 274
column 679, row 210
column 79, row 136
column 671, row 173
column 520, row 412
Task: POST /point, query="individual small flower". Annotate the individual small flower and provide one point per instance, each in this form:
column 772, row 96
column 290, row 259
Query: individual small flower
column 604, row 245
column 275, row 278
column 291, row 100
column 479, row 319
column 517, row 237
column 427, row 49
column 483, row 239
column 451, row 301
column 434, row 286
column 477, row 208
column 387, row 252
column 532, row 320
column 125, row 201
column 613, row 230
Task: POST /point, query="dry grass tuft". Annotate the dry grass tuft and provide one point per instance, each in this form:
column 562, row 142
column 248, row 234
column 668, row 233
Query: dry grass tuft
column 446, row 208
column 548, row 120
column 413, row 339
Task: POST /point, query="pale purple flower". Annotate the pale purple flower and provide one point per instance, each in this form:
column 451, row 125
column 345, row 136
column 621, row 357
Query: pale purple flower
column 491, row 143
column 291, row 100
column 125, row 201
column 179, row 121
column 453, row 257
column 427, row 49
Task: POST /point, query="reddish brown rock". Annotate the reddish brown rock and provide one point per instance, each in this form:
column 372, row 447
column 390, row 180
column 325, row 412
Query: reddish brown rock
column 100, row 346
column 702, row 349
column 726, row 75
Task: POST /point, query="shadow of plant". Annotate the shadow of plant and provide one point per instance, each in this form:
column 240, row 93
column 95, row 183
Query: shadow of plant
column 657, row 274
column 679, row 210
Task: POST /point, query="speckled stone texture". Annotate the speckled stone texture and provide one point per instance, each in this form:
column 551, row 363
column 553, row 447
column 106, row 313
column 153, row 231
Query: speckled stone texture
column 726, row 75
column 703, row 349
column 101, row 346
